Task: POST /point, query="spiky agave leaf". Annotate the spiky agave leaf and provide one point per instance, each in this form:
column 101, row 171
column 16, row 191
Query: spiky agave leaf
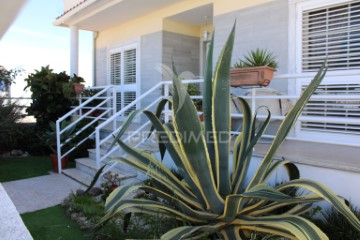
column 211, row 198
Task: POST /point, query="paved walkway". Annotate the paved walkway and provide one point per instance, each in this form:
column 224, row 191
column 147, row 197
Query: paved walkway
column 37, row 193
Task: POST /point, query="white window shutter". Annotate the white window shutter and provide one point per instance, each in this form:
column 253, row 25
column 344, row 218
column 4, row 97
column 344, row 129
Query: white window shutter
column 340, row 109
column 115, row 68
column 130, row 66
column 334, row 33
column 128, row 98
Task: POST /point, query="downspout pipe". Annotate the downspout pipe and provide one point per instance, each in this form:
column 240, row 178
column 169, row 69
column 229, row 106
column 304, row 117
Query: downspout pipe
column 95, row 36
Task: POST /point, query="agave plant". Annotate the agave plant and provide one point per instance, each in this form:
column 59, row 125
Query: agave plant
column 213, row 197
column 257, row 58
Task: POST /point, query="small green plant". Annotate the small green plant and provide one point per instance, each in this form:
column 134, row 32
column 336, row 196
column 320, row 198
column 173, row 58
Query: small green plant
column 112, row 181
column 257, row 58
column 193, row 90
column 76, row 79
column 214, row 199
column 49, row 137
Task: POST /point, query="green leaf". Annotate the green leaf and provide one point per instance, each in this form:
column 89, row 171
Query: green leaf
column 207, row 105
column 192, row 142
column 299, row 227
column 286, row 126
column 221, row 116
column 328, row 195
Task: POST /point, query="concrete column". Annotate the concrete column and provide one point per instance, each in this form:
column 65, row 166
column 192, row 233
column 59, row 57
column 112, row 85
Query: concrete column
column 74, row 50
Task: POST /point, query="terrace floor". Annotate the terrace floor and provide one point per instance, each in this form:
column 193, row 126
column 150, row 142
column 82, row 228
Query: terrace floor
column 339, row 157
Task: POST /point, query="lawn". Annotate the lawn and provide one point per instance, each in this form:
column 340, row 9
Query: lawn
column 51, row 224
column 15, row 168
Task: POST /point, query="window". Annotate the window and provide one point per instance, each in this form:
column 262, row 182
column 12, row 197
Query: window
column 345, row 107
column 124, row 75
column 331, row 32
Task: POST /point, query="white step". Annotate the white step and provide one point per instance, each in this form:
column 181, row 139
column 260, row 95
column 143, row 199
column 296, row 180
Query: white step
column 78, row 176
column 88, row 166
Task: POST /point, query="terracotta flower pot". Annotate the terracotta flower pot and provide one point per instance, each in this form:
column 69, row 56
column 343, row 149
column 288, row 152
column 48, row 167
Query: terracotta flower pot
column 252, row 76
column 78, row 88
column 54, row 162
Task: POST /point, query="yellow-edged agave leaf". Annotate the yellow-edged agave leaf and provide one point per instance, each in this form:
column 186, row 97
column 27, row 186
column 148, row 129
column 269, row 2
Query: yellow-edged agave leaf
column 154, row 205
column 291, row 169
column 176, row 154
column 170, row 187
column 191, row 232
column 192, row 142
column 328, row 195
column 159, row 109
column 239, row 171
column 300, row 227
column 244, row 155
column 286, row 126
column 269, row 230
column 264, row 208
column 180, row 204
column 221, row 116
column 119, row 194
column 207, row 105
column 155, row 167
column 126, row 125
column 179, row 233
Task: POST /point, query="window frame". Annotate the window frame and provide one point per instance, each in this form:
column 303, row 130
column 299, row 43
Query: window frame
column 125, row 87
column 297, row 7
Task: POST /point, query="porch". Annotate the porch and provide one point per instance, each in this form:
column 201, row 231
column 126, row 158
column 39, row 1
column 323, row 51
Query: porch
column 336, row 123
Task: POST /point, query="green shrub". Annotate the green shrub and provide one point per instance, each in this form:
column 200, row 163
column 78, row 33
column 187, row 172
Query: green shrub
column 9, row 115
column 213, row 198
column 49, row 94
column 336, row 226
column 140, row 226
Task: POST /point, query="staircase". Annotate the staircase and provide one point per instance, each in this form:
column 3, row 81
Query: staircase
column 106, row 125
column 86, row 168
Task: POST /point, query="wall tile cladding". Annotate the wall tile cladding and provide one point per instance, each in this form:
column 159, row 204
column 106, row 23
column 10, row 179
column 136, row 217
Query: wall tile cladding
column 150, row 60
column 262, row 26
column 184, row 50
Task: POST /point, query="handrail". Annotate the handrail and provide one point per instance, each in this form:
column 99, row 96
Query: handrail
column 99, row 142
column 78, row 109
column 252, row 97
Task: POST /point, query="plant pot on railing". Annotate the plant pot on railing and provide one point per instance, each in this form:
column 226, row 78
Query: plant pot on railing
column 251, row 76
column 256, row 69
column 78, row 88
column 76, row 82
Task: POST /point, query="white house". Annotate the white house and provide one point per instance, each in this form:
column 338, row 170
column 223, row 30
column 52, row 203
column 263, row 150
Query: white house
column 132, row 38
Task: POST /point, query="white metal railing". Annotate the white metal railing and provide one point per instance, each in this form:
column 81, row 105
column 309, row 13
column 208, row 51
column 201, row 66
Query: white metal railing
column 165, row 85
column 102, row 101
column 252, row 98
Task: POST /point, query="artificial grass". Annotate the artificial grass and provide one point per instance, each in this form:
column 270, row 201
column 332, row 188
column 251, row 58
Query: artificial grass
column 52, row 223
column 16, row 168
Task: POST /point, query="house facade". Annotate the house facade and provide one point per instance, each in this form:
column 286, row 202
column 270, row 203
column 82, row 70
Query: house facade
column 135, row 42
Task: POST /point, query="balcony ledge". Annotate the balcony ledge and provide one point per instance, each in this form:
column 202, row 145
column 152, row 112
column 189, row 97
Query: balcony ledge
column 325, row 155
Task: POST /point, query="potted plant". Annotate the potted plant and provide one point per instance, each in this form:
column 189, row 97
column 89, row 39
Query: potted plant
column 256, row 69
column 77, row 84
column 49, row 137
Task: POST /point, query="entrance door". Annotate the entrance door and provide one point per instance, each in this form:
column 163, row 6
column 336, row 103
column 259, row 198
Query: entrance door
column 124, row 75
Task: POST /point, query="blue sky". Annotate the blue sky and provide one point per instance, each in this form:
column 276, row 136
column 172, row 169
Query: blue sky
column 32, row 41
